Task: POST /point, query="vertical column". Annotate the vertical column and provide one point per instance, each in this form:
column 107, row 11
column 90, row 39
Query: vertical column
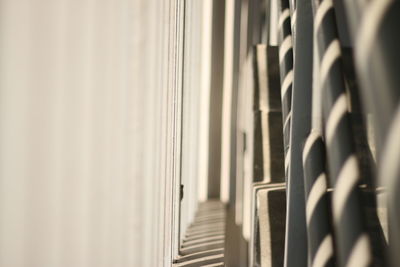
column 296, row 234
column 216, row 89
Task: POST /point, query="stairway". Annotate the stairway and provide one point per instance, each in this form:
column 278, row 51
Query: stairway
column 204, row 241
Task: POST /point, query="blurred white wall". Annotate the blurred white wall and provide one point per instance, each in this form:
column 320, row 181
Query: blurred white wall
column 83, row 108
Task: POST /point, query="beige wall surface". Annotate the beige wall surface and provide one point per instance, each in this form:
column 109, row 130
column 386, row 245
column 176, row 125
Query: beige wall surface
column 83, row 99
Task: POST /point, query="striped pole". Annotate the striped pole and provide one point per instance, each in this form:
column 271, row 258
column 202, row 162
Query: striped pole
column 352, row 240
column 318, row 216
column 286, row 73
column 293, row 17
column 377, row 60
column 389, row 174
column 319, row 230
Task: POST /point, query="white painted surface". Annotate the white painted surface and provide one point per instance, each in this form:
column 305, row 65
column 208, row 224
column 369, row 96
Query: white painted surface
column 226, row 139
column 205, row 99
column 85, row 108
